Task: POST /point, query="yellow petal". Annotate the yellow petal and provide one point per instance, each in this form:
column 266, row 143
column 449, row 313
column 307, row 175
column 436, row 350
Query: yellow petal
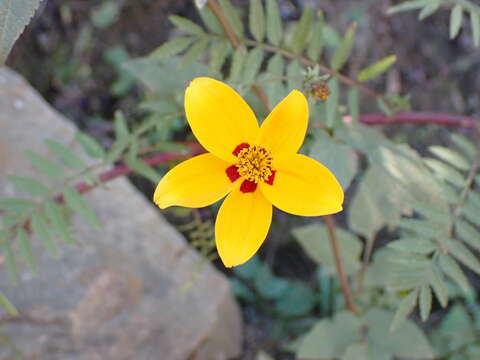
column 303, row 186
column 242, row 225
column 284, row 129
column 220, row 119
column 197, row 182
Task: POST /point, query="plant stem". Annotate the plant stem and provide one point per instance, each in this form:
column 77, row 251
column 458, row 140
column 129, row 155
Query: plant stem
column 217, row 11
column 303, row 59
column 330, row 222
column 417, row 118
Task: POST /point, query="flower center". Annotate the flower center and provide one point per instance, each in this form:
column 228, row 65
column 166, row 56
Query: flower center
column 254, row 164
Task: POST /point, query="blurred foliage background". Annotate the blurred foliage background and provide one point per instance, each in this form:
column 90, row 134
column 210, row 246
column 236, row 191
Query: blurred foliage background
column 409, row 237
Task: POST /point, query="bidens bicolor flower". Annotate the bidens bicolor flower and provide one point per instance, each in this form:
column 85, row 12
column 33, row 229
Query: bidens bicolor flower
column 256, row 167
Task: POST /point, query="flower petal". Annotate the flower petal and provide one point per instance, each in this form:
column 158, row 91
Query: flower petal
column 284, row 129
column 303, row 186
column 197, row 182
column 242, row 225
column 220, row 119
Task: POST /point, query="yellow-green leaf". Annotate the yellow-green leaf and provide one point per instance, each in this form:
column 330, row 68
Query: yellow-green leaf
column 344, row 48
column 376, row 69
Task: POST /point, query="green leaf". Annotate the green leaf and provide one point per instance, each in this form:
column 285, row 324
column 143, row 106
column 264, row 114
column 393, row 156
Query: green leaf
column 438, row 284
column 332, row 103
column 252, row 65
column 465, row 145
column 14, row 16
column 241, row 291
column 468, row 234
column 29, row 185
column 408, row 342
column 90, row 145
column 432, row 212
column 39, row 227
column 450, row 156
column 475, row 24
column 171, row 48
column 238, row 61
column 376, row 69
column 339, row 158
column 455, row 20
column 329, row 339
column 11, row 219
column 343, row 50
column 315, row 47
column 464, row 255
column 186, row 25
column 353, row 105
column 373, row 205
column 231, row 13
column 274, row 23
column 294, row 75
column 407, row 5
column 315, row 242
column 248, row 270
column 210, row 21
column 420, row 227
column 425, row 302
column 25, row 247
column 7, row 305
column 454, row 271
column 58, row 221
column 268, row 285
column 142, row 168
column 382, row 105
column 120, row 125
column 10, row 261
column 298, row 299
column 257, row 20
column 66, row 156
column 445, row 172
column 194, row 53
column 45, row 165
column 404, row 309
column 302, row 30
column 414, row 245
column 17, row 205
column 218, row 54
column 275, row 70
column 77, row 203
column 428, row 10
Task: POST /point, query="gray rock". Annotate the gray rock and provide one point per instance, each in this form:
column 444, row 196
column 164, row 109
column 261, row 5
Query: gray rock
column 133, row 290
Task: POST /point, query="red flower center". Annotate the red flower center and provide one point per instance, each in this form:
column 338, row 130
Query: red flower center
column 254, row 165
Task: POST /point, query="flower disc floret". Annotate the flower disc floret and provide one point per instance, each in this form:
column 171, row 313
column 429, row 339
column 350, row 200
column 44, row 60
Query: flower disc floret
column 254, row 164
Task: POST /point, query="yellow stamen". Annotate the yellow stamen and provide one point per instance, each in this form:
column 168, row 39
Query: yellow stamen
column 254, row 164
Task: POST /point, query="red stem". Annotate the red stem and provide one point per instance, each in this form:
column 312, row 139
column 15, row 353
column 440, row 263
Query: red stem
column 418, row 118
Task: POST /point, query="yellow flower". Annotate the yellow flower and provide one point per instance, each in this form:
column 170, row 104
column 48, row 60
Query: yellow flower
column 256, row 167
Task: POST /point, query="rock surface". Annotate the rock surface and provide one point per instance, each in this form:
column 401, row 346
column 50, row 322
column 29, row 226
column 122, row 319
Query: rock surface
column 133, row 290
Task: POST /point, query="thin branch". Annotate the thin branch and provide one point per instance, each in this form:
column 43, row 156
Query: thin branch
column 123, row 169
column 418, row 118
column 330, row 222
column 217, row 11
column 290, row 55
